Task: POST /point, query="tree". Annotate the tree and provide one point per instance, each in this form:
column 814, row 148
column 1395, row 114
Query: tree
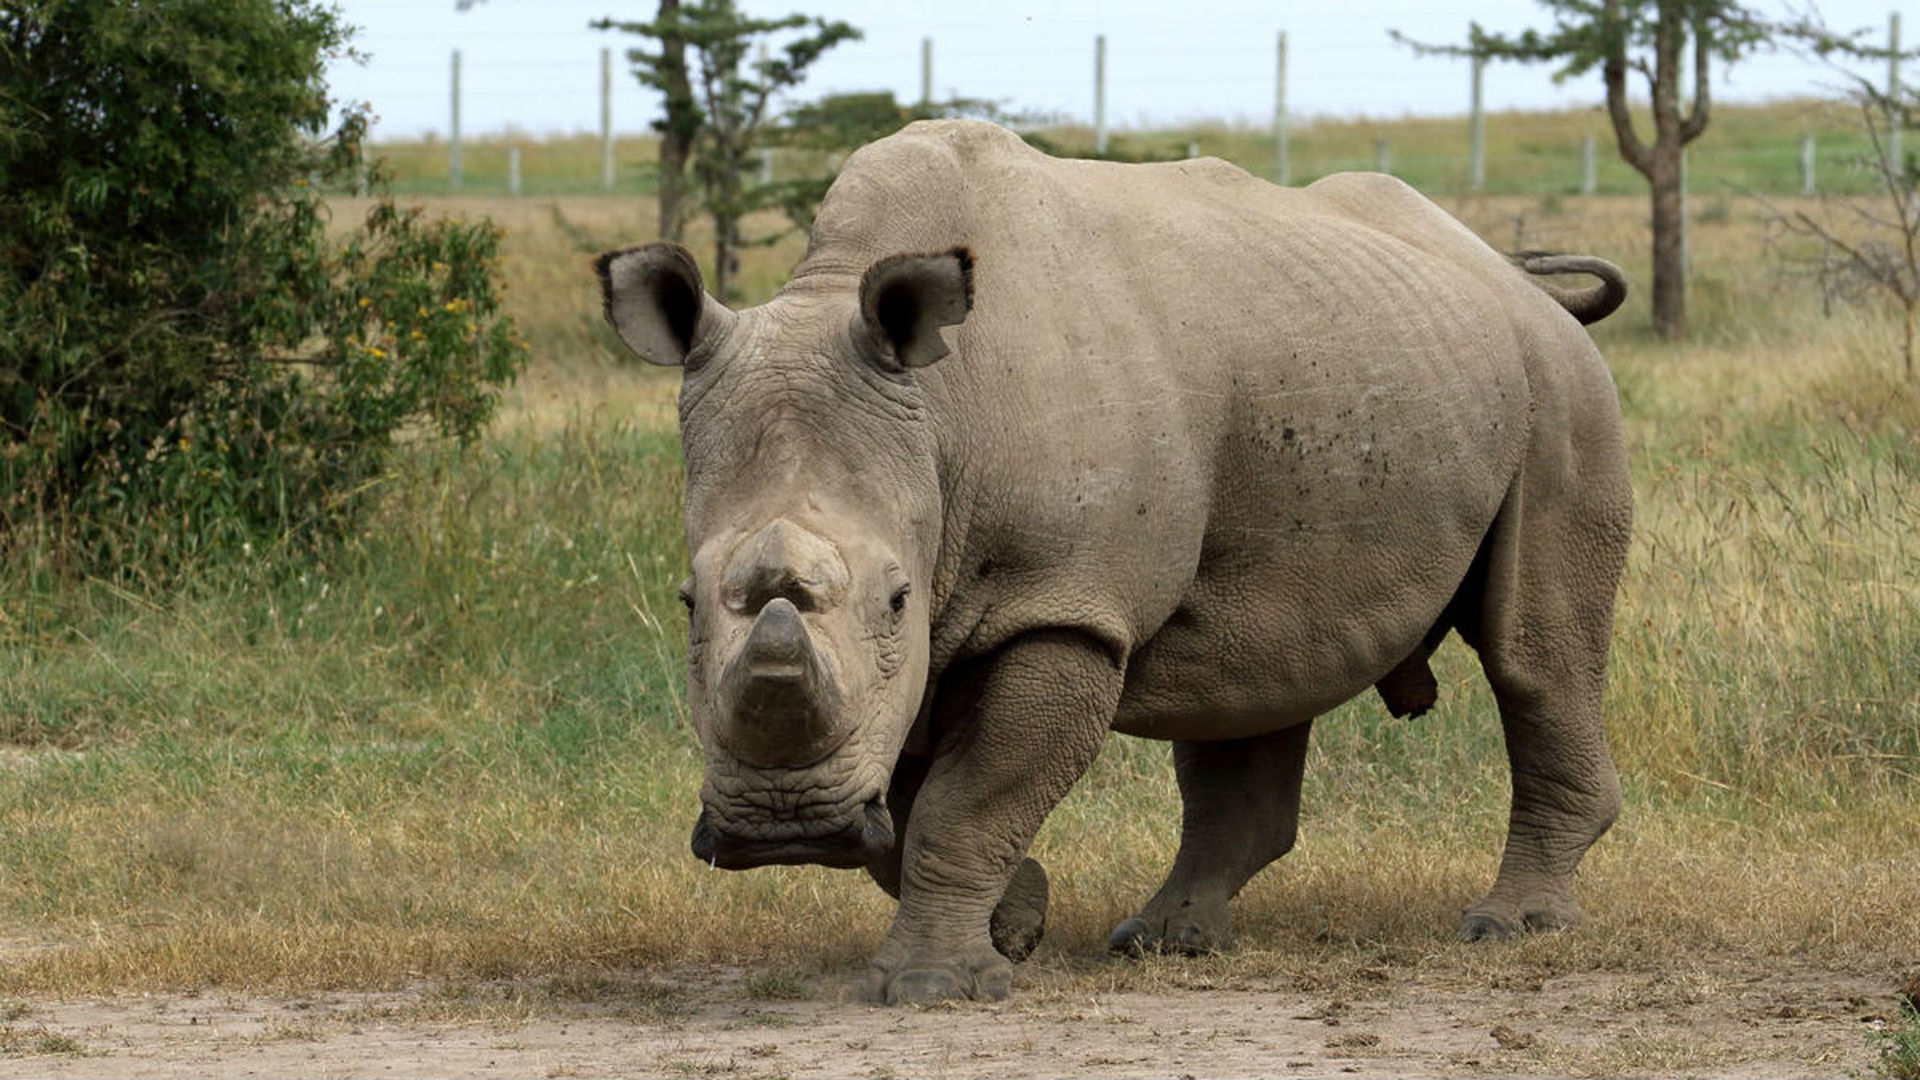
column 836, row 125
column 189, row 362
column 731, row 98
column 1861, row 247
column 1651, row 37
column 679, row 123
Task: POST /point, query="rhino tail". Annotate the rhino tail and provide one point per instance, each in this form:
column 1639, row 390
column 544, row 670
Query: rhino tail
column 1589, row 303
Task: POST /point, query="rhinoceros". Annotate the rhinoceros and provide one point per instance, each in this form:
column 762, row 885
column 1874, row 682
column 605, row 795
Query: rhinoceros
column 1031, row 450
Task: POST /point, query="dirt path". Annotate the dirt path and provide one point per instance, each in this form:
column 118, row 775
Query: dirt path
column 722, row 1023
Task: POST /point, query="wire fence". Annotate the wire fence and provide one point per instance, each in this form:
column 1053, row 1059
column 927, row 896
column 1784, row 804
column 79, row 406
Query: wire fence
column 1835, row 163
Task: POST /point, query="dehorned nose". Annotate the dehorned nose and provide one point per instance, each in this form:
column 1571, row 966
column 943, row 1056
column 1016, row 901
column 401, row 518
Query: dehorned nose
column 781, row 707
column 785, row 562
column 778, row 644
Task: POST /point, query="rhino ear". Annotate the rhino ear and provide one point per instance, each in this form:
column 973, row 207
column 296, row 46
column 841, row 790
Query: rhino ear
column 655, row 301
column 906, row 299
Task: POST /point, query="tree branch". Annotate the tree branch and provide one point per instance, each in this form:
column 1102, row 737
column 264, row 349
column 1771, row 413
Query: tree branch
column 1614, row 71
column 1696, row 121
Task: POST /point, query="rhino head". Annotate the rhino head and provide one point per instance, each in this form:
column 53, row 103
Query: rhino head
column 812, row 519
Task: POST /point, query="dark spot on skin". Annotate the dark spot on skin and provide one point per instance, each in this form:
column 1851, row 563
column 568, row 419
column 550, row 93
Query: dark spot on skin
column 1141, row 510
column 986, row 567
column 1286, row 434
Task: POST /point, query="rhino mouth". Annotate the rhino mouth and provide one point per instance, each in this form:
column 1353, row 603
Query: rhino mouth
column 844, row 844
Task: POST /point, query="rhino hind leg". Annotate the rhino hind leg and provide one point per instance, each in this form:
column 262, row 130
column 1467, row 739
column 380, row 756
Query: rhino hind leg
column 1240, row 809
column 1544, row 620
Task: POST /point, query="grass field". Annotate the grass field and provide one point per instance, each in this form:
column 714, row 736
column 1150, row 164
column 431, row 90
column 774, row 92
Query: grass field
column 454, row 749
column 1745, row 148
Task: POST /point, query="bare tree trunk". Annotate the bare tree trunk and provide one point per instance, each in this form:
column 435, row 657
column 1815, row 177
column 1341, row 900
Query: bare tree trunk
column 722, row 258
column 677, row 133
column 1659, row 161
column 1669, row 250
column 1906, row 343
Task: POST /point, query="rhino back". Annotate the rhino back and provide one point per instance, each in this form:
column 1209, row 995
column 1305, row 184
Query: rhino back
column 1246, row 437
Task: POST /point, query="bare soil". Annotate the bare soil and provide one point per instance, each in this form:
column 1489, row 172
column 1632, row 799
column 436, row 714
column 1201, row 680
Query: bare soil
column 1740, row 1019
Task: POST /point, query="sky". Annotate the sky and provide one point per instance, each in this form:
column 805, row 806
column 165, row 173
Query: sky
column 533, row 66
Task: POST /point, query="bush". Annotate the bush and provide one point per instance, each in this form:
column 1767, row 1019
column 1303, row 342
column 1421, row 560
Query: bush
column 189, row 363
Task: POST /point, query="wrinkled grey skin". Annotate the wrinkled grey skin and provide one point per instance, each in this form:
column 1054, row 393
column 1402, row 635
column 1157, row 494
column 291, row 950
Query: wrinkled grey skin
column 1031, row 450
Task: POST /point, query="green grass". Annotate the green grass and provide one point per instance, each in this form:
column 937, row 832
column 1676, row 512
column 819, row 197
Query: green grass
column 1897, row 1046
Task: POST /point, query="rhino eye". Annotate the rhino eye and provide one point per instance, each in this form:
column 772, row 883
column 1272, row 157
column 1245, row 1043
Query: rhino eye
column 686, row 595
column 899, row 601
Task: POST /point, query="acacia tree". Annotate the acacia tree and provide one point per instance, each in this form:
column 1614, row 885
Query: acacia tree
column 1659, row 39
column 665, row 69
column 729, row 98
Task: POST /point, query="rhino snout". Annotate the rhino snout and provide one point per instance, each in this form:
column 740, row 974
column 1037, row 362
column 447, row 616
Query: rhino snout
column 780, row 707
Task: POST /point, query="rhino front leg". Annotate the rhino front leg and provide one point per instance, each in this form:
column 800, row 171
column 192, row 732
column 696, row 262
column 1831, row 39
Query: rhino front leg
column 1045, row 702
column 1020, row 918
column 1240, row 803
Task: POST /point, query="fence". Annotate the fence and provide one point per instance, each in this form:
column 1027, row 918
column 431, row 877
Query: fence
column 1436, row 158
column 1572, row 165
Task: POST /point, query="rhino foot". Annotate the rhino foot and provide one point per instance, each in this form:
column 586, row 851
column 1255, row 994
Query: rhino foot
column 1189, row 931
column 1020, row 920
column 1133, row 938
column 929, row 980
column 1491, row 920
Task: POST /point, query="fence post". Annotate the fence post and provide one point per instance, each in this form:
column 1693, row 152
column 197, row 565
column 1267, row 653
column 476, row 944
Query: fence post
column 1893, row 94
column 1806, row 164
column 1282, row 171
column 606, row 119
column 1587, row 177
column 513, row 170
column 453, row 137
column 1380, row 156
column 1477, row 132
column 1100, row 94
column 926, row 71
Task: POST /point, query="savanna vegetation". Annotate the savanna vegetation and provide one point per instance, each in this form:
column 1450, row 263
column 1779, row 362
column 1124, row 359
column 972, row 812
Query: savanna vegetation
column 450, row 746
column 189, row 362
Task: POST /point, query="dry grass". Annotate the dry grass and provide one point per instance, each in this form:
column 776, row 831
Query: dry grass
column 455, row 752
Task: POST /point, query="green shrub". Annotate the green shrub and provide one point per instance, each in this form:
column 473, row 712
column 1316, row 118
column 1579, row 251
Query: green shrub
column 1897, row 1045
column 189, row 363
